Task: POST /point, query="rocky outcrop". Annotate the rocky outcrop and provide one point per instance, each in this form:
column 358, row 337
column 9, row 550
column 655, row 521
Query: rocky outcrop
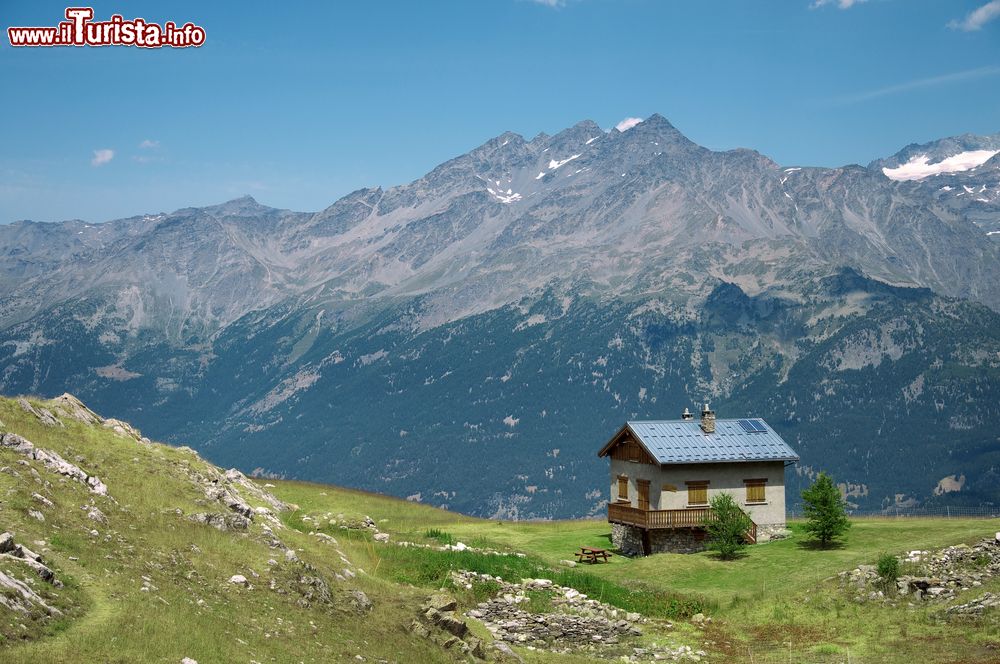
column 53, row 462
column 43, row 414
column 67, row 405
column 439, row 622
column 16, row 594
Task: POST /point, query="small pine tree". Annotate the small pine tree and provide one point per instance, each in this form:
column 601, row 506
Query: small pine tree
column 726, row 527
column 825, row 511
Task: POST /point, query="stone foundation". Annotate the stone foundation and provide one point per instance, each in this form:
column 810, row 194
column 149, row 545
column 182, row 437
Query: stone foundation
column 628, row 540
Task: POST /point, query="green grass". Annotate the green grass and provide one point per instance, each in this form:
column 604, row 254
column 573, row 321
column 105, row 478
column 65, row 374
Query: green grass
column 776, row 604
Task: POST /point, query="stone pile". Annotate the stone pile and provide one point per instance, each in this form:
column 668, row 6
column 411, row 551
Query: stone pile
column 576, row 621
column 459, row 546
column 977, row 606
column 943, row 573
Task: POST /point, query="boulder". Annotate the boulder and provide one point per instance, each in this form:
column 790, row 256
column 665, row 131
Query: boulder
column 239, row 580
column 360, row 601
column 441, row 602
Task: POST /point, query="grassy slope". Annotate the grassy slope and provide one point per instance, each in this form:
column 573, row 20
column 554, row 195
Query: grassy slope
column 120, row 623
column 778, row 594
column 772, row 605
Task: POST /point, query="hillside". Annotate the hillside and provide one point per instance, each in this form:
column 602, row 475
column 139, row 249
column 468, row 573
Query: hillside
column 517, row 303
column 125, row 550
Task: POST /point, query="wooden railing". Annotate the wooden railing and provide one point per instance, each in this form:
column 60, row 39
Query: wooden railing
column 656, row 519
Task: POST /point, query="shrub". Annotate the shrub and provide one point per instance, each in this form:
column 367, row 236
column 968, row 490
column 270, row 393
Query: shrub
column 726, row 527
column 826, row 515
column 887, row 567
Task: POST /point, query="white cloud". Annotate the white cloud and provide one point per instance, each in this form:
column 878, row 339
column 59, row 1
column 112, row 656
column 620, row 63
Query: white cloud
column 551, row 3
column 102, row 156
column 977, row 18
column 918, row 168
column 842, row 4
column 627, row 124
column 149, row 144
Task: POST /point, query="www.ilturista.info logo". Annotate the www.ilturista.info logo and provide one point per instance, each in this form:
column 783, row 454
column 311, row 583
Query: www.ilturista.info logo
column 80, row 30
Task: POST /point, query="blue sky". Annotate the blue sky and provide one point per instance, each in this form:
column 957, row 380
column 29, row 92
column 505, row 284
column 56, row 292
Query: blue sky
column 300, row 103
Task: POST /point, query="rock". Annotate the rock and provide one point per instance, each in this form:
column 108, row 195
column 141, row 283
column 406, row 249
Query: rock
column 188, row 660
column 360, row 601
column 97, row 515
column 291, row 556
column 568, row 563
column 42, row 499
column 221, row 521
column 76, row 409
column 451, row 623
column 35, row 514
column 6, row 542
column 507, row 652
column 698, row 618
column 381, row 537
column 459, row 546
column 441, row 602
column 239, row 580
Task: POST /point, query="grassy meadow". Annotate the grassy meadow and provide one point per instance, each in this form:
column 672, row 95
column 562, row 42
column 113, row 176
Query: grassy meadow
column 152, row 586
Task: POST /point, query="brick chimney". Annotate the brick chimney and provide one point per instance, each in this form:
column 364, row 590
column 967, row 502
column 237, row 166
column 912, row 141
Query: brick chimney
column 707, row 419
column 687, row 414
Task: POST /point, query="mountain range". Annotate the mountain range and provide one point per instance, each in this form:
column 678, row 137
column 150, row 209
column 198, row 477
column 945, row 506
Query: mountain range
column 470, row 339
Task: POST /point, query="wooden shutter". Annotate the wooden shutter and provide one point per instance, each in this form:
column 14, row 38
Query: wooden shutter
column 623, row 487
column 755, row 491
column 697, row 493
column 643, row 486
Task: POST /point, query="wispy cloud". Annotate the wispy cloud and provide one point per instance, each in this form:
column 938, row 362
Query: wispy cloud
column 977, row 18
column 627, row 124
column 551, row 3
column 102, row 156
column 149, row 144
column 922, row 83
column 842, row 4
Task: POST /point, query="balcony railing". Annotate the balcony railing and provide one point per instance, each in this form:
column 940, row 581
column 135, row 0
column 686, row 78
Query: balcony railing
column 694, row 517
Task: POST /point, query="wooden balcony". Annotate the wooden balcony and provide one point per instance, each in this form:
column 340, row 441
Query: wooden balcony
column 694, row 517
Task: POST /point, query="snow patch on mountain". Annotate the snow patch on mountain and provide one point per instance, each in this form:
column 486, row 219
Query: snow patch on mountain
column 919, row 167
column 554, row 164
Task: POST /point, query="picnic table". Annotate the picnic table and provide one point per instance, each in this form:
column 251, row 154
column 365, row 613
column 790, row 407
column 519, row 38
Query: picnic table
column 588, row 554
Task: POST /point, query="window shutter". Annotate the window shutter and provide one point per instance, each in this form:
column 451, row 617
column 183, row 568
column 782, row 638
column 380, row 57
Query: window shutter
column 755, row 491
column 623, row 487
column 697, row 493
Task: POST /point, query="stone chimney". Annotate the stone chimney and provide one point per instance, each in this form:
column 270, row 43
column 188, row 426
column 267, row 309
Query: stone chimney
column 687, row 414
column 707, row 419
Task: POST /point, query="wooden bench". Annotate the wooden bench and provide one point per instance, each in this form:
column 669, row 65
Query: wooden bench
column 591, row 555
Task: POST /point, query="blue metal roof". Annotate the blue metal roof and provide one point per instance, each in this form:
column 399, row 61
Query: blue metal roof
column 683, row 441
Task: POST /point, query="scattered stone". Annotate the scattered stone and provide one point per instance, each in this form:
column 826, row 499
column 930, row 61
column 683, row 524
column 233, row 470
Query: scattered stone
column 239, row 580
column 35, row 514
column 97, row 515
column 188, row 660
column 381, row 537
column 42, row 499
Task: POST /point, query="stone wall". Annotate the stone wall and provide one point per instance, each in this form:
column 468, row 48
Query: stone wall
column 680, row 540
column 628, row 540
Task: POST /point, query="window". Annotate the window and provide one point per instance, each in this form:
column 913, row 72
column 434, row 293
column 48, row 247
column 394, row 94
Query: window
column 622, row 487
column 643, row 487
column 697, row 493
column 755, row 491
